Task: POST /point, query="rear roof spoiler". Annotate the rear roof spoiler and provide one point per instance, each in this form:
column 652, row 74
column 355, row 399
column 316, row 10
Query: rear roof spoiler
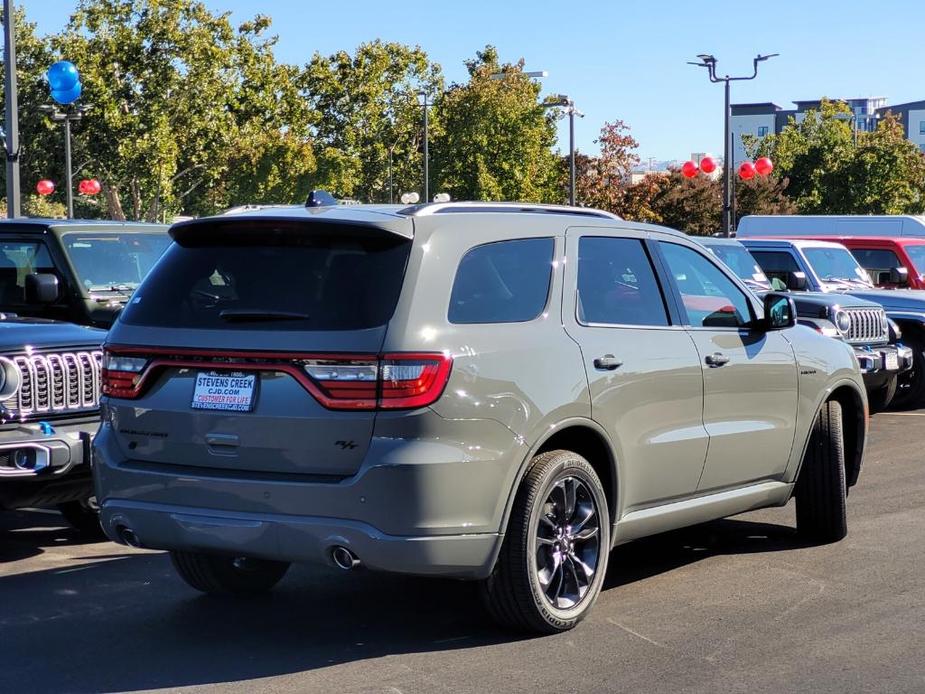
column 327, row 220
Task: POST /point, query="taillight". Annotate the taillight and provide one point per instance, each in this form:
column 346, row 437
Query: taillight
column 345, row 383
column 120, row 375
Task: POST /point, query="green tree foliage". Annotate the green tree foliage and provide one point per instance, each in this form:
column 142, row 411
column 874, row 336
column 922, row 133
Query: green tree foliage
column 601, row 181
column 494, row 139
column 830, row 173
column 362, row 105
column 693, row 205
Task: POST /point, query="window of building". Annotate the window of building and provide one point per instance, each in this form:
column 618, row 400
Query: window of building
column 762, row 130
column 922, row 127
column 616, row 283
column 710, row 298
column 502, row 282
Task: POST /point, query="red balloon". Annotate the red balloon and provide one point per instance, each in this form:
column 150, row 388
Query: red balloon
column 689, row 169
column 88, row 186
column 764, row 166
column 747, row 170
column 94, row 186
column 45, row 187
column 708, row 165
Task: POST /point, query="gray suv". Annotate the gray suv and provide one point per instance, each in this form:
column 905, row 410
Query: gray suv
column 497, row 392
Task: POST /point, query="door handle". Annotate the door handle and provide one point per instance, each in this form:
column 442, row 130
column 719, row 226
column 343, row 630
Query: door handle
column 607, row 363
column 716, row 359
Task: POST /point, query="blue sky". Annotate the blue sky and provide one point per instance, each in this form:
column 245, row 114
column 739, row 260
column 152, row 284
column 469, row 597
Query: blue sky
column 626, row 61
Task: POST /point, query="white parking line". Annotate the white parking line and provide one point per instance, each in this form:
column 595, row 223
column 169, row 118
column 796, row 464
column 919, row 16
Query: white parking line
column 900, row 414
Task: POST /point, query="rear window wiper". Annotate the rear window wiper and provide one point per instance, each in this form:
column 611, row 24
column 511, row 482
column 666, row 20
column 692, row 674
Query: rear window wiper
column 246, row 315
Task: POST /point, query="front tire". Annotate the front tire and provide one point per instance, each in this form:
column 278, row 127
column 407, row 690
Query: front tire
column 882, row 397
column 821, row 491
column 554, row 556
column 911, row 384
column 223, row 575
column 84, row 516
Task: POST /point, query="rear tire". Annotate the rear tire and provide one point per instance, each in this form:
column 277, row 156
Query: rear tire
column 223, row 575
column 821, row 491
column 83, row 516
column 554, row 556
column 882, row 397
column 911, row 390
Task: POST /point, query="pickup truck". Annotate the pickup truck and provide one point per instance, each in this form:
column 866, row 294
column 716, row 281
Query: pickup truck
column 61, row 283
column 824, row 266
column 856, row 321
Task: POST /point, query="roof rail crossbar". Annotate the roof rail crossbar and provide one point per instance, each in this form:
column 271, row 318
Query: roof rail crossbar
column 428, row 209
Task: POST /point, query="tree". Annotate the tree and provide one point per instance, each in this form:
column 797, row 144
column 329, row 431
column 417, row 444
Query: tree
column 601, row 181
column 693, row 205
column 362, row 105
column 883, row 173
column 494, row 139
column 763, row 195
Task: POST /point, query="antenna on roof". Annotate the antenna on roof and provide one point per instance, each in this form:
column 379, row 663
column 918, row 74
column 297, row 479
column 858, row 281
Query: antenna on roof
column 320, row 198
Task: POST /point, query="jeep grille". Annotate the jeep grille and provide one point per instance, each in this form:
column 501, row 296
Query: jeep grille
column 868, row 325
column 57, row 383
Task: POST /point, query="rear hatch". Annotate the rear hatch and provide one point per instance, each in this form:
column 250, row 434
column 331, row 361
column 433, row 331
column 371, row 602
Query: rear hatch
column 254, row 346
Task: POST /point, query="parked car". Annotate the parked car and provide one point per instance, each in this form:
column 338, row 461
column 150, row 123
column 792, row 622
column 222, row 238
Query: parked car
column 55, row 274
column 862, row 324
column 434, row 390
column 824, row 266
column 796, row 226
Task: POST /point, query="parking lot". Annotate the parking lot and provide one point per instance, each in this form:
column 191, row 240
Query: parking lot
column 731, row 606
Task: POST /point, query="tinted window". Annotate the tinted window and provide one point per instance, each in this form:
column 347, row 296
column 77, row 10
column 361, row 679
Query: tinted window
column 299, row 281
column 18, row 259
column 776, row 264
column 711, row 299
column 741, row 262
column 616, row 283
column 503, row 282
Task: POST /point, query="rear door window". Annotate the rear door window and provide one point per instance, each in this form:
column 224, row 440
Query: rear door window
column 776, row 264
column 502, row 282
column 301, row 281
column 616, row 283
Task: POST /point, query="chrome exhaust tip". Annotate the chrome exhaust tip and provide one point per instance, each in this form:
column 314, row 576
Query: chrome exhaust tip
column 128, row 536
column 343, row 558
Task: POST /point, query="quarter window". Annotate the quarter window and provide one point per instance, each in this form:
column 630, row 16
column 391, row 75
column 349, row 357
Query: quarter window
column 502, row 282
column 616, row 283
column 710, row 298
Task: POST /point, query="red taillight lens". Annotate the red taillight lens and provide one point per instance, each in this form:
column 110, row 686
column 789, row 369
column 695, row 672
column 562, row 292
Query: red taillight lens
column 412, row 380
column 121, row 375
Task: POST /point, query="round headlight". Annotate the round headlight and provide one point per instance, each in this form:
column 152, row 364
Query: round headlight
column 10, row 378
column 842, row 322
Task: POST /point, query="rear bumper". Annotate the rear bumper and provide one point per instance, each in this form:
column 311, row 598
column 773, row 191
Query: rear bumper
column 299, row 538
column 58, row 465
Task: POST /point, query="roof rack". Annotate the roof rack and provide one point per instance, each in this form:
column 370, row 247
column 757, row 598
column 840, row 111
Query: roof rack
column 427, row 209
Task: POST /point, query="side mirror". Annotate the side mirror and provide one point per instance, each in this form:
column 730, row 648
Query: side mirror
column 899, row 276
column 796, row 281
column 780, row 312
column 41, row 288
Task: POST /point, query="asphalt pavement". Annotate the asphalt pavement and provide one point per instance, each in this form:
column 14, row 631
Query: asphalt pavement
column 737, row 605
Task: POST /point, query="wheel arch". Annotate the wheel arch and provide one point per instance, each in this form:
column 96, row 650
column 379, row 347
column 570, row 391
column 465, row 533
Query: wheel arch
column 854, row 427
column 588, row 439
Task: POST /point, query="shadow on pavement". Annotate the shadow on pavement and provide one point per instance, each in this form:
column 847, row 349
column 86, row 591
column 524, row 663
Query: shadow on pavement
column 25, row 534
column 129, row 623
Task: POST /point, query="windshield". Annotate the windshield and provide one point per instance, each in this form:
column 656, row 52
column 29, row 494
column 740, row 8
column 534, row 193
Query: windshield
column 836, row 265
column 114, row 261
column 916, row 254
column 741, row 262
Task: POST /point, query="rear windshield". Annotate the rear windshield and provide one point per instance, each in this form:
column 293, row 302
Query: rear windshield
column 300, row 282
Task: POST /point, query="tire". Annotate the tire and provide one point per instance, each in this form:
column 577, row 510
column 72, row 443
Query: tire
column 821, row 492
column 911, row 384
column 83, row 516
column 535, row 585
column 882, row 397
column 223, row 575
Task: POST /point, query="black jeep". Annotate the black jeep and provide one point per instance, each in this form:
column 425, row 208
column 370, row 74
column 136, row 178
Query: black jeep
column 55, row 274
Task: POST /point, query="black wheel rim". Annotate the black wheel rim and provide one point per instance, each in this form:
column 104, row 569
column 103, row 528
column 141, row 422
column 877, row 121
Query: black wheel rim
column 567, row 543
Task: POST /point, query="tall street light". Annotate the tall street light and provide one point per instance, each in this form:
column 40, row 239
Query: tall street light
column 709, row 62
column 423, row 95
column 11, row 111
column 568, row 105
column 67, row 115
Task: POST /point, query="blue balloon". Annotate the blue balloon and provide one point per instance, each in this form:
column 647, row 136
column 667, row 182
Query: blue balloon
column 62, row 76
column 67, row 96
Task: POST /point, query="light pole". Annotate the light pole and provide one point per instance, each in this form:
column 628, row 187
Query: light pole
column 391, row 188
column 709, row 62
column 69, row 114
column 423, row 95
column 11, row 111
column 564, row 102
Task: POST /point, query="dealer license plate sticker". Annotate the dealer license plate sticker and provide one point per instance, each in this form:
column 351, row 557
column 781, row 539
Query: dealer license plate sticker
column 232, row 392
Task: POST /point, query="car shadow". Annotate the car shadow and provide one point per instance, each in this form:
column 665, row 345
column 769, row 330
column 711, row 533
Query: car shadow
column 25, row 534
column 145, row 629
